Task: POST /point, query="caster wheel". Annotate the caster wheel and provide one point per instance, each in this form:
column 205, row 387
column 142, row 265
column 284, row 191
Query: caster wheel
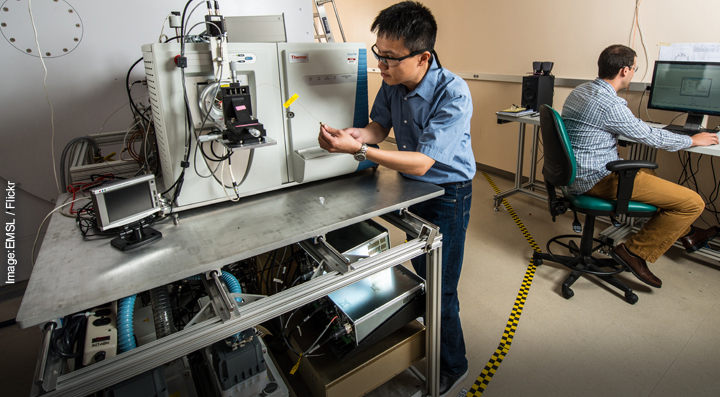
column 567, row 293
column 496, row 209
column 537, row 262
column 631, row 298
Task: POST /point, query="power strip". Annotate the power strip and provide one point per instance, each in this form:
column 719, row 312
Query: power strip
column 101, row 335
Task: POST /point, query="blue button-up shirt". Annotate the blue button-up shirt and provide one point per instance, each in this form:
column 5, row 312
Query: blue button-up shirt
column 433, row 119
column 594, row 116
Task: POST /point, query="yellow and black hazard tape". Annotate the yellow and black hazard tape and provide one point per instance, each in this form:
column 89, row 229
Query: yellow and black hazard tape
column 512, row 213
column 492, row 366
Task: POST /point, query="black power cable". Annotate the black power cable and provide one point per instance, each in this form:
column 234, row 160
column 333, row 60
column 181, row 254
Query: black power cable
column 128, row 87
column 671, row 121
column 66, row 339
column 178, row 184
column 689, row 178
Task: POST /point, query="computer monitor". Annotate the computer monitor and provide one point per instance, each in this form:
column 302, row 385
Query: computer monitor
column 126, row 203
column 692, row 87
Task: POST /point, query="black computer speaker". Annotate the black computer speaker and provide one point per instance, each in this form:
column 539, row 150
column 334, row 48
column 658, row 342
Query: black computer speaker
column 546, row 67
column 536, row 91
column 537, row 67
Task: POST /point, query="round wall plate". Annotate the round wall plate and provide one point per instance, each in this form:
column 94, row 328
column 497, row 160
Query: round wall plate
column 58, row 24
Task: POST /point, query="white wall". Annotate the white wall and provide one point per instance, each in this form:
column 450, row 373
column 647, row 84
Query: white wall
column 501, row 37
column 86, row 84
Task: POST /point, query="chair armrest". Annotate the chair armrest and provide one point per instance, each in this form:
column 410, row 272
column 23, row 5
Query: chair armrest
column 621, row 165
column 626, row 170
column 556, row 205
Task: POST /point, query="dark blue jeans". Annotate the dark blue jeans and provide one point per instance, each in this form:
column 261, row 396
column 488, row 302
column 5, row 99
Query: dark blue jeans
column 451, row 213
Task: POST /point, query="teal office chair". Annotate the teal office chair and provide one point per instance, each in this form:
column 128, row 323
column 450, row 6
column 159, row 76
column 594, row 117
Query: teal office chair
column 559, row 172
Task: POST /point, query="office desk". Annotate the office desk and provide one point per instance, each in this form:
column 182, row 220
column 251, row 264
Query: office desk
column 638, row 151
column 72, row 275
column 529, row 187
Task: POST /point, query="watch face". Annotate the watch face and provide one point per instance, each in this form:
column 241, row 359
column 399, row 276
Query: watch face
column 361, row 155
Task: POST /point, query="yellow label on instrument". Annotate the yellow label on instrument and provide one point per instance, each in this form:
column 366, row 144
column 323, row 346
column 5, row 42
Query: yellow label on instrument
column 291, row 100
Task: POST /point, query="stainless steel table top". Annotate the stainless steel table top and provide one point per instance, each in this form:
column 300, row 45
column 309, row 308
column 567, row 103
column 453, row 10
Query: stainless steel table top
column 72, row 275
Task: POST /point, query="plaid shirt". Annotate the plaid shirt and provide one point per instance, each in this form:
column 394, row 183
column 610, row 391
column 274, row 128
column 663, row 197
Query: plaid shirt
column 594, row 117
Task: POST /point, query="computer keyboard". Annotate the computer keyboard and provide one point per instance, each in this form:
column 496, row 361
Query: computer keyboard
column 682, row 131
column 678, row 129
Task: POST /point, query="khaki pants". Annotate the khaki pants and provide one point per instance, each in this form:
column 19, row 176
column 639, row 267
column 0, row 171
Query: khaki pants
column 678, row 209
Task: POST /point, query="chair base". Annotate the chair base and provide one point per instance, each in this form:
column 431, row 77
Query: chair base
column 585, row 264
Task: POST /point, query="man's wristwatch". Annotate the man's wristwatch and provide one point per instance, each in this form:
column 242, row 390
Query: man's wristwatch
column 361, row 154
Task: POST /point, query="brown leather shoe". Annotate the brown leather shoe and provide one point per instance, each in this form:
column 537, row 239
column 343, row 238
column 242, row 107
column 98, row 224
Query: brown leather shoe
column 637, row 265
column 699, row 238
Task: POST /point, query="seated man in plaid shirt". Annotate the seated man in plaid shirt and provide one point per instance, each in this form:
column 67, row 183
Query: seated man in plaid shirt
column 595, row 116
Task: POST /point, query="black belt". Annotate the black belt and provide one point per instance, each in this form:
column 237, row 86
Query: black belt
column 454, row 183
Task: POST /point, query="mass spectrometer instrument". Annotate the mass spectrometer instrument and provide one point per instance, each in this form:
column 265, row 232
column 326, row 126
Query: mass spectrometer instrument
column 236, row 119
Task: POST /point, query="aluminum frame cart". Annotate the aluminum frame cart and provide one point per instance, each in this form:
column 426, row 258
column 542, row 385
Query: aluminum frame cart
column 71, row 275
column 529, row 187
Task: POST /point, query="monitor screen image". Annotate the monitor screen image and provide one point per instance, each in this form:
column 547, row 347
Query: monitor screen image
column 129, row 201
column 692, row 87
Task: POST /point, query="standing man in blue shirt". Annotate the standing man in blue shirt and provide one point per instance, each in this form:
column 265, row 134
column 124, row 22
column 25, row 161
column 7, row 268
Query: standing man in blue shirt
column 595, row 116
column 429, row 109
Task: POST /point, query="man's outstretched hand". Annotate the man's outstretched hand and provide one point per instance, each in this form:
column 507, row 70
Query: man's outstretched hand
column 348, row 140
column 705, row 139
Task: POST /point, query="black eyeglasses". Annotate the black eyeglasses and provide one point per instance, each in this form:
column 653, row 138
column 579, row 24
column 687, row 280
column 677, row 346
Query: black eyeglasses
column 390, row 62
column 634, row 68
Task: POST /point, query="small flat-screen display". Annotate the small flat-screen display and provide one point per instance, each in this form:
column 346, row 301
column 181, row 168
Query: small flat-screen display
column 125, row 201
column 128, row 201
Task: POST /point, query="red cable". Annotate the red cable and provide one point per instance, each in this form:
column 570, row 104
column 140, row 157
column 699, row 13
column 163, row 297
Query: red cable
column 76, row 187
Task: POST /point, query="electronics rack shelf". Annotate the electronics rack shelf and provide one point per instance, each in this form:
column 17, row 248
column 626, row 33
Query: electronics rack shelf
column 208, row 238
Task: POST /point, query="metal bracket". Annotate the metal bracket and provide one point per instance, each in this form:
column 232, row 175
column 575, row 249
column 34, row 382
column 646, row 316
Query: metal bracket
column 244, row 299
column 414, row 226
column 50, row 365
column 321, row 251
column 319, row 270
column 207, row 311
column 226, row 307
column 429, row 233
column 209, row 308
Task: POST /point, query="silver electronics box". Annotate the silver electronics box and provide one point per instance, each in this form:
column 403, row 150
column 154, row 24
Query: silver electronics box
column 369, row 302
column 361, row 240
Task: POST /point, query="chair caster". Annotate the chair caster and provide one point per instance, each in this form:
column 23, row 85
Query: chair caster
column 631, row 298
column 537, row 262
column 567, row 293
column 496, row 209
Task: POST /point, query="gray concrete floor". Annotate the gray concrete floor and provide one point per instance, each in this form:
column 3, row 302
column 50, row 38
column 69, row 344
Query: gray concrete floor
column 594, row 344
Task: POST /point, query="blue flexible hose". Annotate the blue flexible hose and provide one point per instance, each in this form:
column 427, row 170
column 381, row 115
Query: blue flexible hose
column 126, row 335
column 232, row 283
column 230, row 280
